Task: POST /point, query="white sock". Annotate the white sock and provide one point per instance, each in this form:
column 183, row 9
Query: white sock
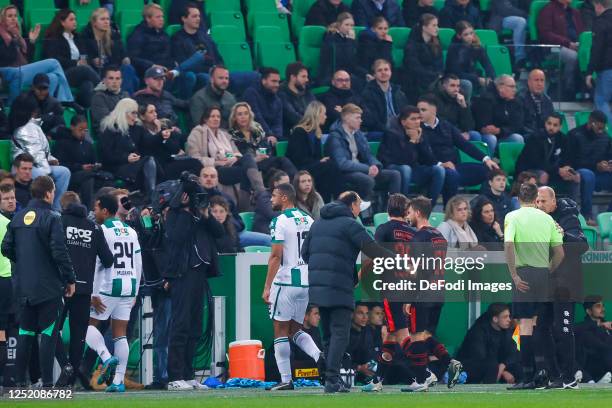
column 122, row 352
column 282, row 353
column 307, row 344
column 95, row 341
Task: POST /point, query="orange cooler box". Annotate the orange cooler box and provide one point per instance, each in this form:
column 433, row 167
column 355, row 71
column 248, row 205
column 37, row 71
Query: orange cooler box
column 246, row 360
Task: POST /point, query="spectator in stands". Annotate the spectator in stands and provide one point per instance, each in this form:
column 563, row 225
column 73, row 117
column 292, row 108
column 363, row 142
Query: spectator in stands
column 361, row 345
column 412, row 10
column 348, row 149
column 382, row 100
column 495, row 191
column 499, row 114
column 266, row 104
column 118, row 152
column 537, row 106
column 601, row 58
column 590, row 152
column 77, row 154
column 593, row 339
column 295, row 95
column 15, row 52
column 228, row 243
column 485, row 224
column 453, row 107
column 308, row 199
column 365, row 11
column 175, row 11
column 523, row 177
column 325, row 12
column 23, row 165
column 455, row 228
column 445, row 140
column 51, row 110
column 107, row 94
column 455, row 11
column 404, row 149
column 488, row 352
column 340, row 93
column 6, row 178
column 155, row 94
column 249, row 138
column 63, row 43
column 559, row 24
column 305, row 148
column 505, row 14
column 215, row 93
column 263, row 205
column 464, row 53
column 374, row 43
column 156, row 138
column 423, row 60
column 8, row 202
column 213, row 146
column 103, row 46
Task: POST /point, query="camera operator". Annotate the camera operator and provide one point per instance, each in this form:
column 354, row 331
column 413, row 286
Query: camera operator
column 192, row 255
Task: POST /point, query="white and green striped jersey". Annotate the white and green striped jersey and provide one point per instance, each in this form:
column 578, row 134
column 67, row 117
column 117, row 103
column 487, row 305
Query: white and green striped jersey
column 123, row 278
column 290, row 228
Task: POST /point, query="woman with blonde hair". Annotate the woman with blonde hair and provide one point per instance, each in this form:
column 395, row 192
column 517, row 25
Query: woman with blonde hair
column 119, row 152
column 455, row 228
column 103, row 46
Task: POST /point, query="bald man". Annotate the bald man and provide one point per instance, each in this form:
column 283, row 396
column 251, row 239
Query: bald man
column 555, row 326
column 537, row 105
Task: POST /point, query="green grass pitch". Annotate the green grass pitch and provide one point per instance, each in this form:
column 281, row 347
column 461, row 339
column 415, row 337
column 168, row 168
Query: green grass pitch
column 473, row 396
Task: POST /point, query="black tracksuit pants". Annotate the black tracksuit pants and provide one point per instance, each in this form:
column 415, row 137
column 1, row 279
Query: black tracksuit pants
column 336, row 328
column 77, row 308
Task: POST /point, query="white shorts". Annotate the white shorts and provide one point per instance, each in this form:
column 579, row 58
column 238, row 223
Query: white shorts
column 117, row 308
column 288, row 303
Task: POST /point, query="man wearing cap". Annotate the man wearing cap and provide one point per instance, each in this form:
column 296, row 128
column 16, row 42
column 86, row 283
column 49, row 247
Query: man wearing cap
column 51, row 110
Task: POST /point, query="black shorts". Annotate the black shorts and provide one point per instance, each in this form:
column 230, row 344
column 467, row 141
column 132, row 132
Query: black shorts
column 6, row 301
column 396, row 318
column 526, row 305
column 38, row 318
column 424, row 316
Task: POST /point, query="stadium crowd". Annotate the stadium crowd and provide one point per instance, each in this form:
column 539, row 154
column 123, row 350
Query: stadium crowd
column 144, row 107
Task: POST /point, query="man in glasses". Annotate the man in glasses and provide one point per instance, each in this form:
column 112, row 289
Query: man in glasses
column 340, row 93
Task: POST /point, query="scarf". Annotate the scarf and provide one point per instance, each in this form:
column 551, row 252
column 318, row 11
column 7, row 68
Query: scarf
column 13, row 36
column 218, row 144
column 466, row 238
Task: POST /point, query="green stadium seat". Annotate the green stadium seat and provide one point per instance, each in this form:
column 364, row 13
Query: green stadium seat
column 5, row 155
column 173, row 29
column 165, row 5
column 265, row 34
column 500, row 59
column 309, row 47
column 581, row 117
column 584, row 50
column 4, row 3
column 213, row 6
column 564, row 124
column 508, row 155
column 276, row 55
column 380, row 218
column 257, row 249
column 590, row 234
column 400, row 38
column 436, row 218
column 121, row 5
column 439, row 4
column 357, row 30
column 126, row 17
column 485, row 5
column 534, row 12
column 229, row 18
column 281, row 148
column 298, row 15
column 69, row 113
column 82, row 18
column 465, row 158
column 227, row 33
column 260, row 5
column 487, row 37
column 247, row 219
column 134, row 355
column 126, row 31
column 30, row 5
column 279, row 20
column 76, row 5
column 40, row 16
column 374, row 146
column 236, row 56
column 604, row 222
column 446, row 36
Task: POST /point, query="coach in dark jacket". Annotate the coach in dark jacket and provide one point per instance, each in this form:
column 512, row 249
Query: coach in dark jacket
column 365, row 11
column 325, row 12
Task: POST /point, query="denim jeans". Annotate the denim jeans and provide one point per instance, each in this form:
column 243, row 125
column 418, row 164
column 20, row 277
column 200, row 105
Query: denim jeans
column 518, row 25
column 130, row 82
column 464, row 174
column 421, row 176
column 591, row 181
column 492, row 140
column 603, row 93
column 161, row 334
column 21, row 77
column 61, row 178
column 466, row 88
column 569, row 59
column 250, row 238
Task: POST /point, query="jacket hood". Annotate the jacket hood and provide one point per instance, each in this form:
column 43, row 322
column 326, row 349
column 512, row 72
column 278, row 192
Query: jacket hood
column 77, row 210
column 335, row 209
column 565, row 207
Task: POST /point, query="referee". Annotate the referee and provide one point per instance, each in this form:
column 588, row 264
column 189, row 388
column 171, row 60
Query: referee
column 530, row 235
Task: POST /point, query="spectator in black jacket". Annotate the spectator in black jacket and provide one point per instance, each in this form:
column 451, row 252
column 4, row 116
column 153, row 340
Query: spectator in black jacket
column 295, row 95
column 590, row 154
column 453, row 106
column 365, row 11
column 325, row 12
column 601, row 57
column 488, row 352
column 445, row 140
column 361, row 344
column 63, row 43
column 594, row 339
column 455, row 11
column 499, row 114
column 485, row 224
column 537, row 106
column 505, row 14
column 382, row 100
column 412, row 10
column 404, row 149
column 340, row 93
column 23, row 178
column 266, row 104
column 77, row 154
column 374, row 43
column 463, row 54
column 215, row 93
column 495, row 190
column 106, row 95
column 51, row 110
column 228, row 243
column 423, row 61
column 263, row 206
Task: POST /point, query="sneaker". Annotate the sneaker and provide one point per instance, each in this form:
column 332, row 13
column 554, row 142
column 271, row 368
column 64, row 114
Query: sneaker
column 572, row 385
column 38, row 385
column 132, row 385
column 454, row 370
column 334, row 387
column 286, row 386
column 606, row 379
column 156, row 385
column 321, row 367
column 372, row 387
column 107, row 368
column 179, row 385
column 66, row 377
column 416, row 387
column 556, row 384
column 196, row 385
column 431, row 380
column 578, row 376
column 541, row 380
column 521, row 386
column 115, row 388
